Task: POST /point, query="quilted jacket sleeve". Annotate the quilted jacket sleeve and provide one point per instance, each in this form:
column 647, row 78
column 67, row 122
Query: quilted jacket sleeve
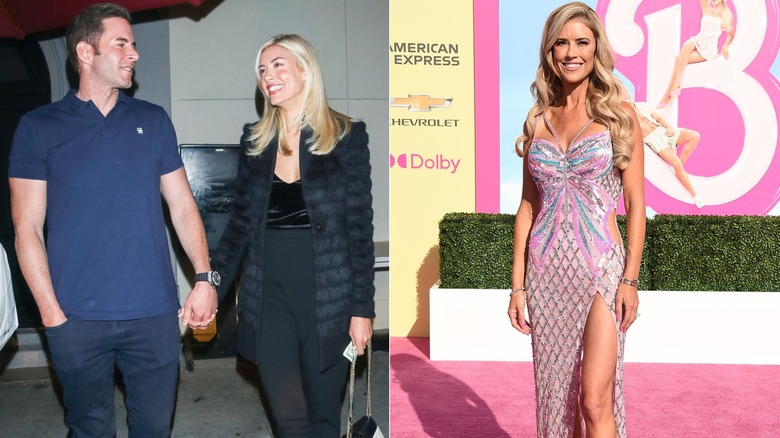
column 360, row 227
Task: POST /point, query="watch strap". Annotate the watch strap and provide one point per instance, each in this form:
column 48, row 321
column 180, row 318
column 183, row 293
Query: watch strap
column 212, row 277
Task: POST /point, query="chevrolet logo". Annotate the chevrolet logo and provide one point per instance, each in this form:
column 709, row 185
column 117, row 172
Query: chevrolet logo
column 421, row 102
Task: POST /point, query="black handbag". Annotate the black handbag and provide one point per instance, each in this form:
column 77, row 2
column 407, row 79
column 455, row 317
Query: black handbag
column 365, row 427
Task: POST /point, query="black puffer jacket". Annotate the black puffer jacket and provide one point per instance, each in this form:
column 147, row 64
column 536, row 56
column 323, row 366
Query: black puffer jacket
column 337, row 192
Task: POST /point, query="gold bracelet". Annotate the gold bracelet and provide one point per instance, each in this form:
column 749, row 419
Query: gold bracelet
column 514, row 291
column 630, row 282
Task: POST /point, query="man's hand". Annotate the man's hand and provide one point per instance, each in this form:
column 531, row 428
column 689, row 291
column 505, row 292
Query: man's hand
column 200, row 308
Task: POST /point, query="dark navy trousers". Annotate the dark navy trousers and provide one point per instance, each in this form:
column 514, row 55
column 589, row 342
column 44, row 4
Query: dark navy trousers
column 146, row 351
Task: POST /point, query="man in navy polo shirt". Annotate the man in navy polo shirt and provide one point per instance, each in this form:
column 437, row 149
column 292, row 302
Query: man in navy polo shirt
column 94, row 165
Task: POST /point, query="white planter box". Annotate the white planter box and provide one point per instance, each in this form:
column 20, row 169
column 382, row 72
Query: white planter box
column 472, row 324
column 675, row 327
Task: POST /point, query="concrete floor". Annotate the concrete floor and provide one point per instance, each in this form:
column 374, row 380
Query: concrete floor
column 219, row 398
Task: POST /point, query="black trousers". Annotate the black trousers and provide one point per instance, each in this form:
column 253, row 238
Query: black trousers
column 304, row 401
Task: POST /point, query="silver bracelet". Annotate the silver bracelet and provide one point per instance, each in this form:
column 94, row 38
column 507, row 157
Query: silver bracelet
column 630, row 282
column 514, row 291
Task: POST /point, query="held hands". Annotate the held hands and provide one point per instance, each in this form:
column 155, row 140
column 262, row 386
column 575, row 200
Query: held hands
column 626, row 306
column 200, row 308
column 360, row 333
column 516, row 313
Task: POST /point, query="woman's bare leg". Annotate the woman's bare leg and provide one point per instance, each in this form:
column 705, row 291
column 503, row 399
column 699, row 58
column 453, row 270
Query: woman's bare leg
column 599, row 362
column 688, row 55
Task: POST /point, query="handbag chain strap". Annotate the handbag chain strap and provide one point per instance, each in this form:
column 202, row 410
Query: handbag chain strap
column 368, row 378
column 352, row 389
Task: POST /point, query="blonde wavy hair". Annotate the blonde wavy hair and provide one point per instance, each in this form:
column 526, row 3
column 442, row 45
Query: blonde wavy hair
column 327, row 125
column 604, row 89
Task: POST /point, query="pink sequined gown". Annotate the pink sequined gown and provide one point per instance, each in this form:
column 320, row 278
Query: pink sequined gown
column 572, row 257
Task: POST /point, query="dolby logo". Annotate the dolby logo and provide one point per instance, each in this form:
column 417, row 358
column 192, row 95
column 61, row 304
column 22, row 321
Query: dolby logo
column 420, row 162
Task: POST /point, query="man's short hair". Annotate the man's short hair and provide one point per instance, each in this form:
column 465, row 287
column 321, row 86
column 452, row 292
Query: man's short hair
column 88, row 27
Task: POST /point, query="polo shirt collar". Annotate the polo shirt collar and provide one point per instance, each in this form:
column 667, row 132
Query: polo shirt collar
column 76, row 104
column 122, row 97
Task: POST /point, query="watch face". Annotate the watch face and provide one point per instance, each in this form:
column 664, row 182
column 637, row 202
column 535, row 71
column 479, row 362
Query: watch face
column 215, row 278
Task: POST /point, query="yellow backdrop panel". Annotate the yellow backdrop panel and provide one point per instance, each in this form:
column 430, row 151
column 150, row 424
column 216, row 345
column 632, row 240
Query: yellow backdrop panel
column 431, row 145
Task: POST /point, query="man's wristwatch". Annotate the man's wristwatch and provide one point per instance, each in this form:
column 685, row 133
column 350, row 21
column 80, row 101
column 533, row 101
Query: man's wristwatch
column 212, row 277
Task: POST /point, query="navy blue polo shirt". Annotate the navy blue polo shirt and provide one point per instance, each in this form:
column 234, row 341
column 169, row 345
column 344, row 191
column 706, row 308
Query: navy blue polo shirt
column 107, row 246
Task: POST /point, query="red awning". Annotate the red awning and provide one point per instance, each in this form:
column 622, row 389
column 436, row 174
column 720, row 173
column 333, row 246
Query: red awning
column 21, row 17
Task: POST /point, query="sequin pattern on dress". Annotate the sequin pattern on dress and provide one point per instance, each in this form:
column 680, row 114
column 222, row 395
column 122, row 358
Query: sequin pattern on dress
column 572, row 257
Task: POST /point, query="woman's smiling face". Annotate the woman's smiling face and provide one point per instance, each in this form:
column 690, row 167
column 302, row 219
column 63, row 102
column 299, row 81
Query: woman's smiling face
column 574, row 51
column 282, row 79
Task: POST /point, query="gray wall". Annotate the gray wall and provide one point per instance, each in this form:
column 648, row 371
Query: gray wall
column 212, row 70
column 199, row 66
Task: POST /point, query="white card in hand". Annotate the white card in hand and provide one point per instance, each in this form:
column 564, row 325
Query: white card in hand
column 350, row 352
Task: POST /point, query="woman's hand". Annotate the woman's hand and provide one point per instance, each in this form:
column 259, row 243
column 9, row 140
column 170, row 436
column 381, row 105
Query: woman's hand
column 516, row 313
column 669, row 132
column 360, row 333
column 725, row 51
column 626, row 306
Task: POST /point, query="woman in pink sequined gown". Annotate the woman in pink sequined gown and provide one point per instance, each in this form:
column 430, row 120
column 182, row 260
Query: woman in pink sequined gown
column 716, row 19
column 581, row 148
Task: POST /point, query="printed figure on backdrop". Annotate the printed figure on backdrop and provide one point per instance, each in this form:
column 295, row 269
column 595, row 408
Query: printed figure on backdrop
column 581, row 148
column 716, row 19
column 663, row 138
column 302, row 225
column 93, row 166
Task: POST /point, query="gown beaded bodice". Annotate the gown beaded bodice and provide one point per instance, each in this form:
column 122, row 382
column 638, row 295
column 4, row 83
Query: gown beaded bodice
column 579, row 188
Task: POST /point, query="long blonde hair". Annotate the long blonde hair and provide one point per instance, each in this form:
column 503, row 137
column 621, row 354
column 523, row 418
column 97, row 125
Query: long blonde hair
column 327, row 125
column 726, row 17
column 603, row 95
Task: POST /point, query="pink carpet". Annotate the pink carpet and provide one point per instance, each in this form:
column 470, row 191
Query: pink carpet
column 496, row 399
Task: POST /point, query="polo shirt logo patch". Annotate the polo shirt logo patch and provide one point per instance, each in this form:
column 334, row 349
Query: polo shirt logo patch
column 139, row 130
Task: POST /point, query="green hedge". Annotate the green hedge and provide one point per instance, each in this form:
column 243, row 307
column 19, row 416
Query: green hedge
column 475, row 250
column 699, row 253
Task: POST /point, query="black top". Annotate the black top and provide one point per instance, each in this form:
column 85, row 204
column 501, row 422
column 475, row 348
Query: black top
column 286, row 207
